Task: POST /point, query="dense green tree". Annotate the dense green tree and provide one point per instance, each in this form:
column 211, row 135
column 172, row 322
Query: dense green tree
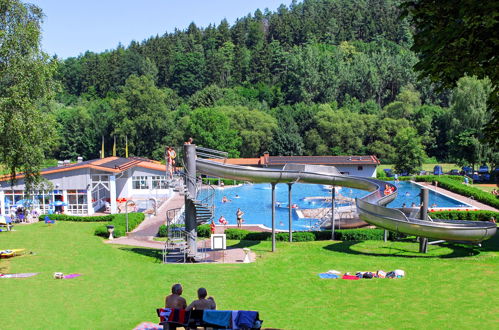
column 410, row 153
column 142, row 114
column 469, row 115
column 211, row 128
column 77, row 133
column 255, row 128
column 26, row 73
column 457, row 38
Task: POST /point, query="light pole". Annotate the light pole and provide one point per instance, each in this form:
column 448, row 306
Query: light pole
column 126, row 211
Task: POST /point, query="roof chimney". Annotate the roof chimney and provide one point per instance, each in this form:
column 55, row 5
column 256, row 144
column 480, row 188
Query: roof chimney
column 67, row 162
column 80, row 159
column 60, row 163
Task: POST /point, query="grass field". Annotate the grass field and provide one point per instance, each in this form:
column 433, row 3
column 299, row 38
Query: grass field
column 486, row 187
column 451, row 287
column 426, row 167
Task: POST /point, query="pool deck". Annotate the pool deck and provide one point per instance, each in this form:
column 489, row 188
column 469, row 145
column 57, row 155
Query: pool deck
column 466, row 200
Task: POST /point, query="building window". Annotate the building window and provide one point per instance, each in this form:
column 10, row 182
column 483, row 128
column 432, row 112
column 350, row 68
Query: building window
column 77, row 202
column 360, row 168
column 159, row 182
column 140, row 182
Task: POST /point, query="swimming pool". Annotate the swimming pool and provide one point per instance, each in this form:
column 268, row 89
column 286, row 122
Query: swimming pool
column 255, row 201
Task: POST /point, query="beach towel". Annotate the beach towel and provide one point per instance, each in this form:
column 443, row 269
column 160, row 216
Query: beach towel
column 164, row 314
column 148, row 326
column 180, row 316
column 220, row 318
column 246, row 319
column 71, row 275
column 349, row 277
column 328, row 275
column 234, row 319
column 20, row 275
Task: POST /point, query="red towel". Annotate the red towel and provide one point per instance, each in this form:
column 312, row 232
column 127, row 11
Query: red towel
column 349, row 277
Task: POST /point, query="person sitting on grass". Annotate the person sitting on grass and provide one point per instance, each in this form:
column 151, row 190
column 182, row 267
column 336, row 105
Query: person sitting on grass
column 203, row 302
column 175, row 300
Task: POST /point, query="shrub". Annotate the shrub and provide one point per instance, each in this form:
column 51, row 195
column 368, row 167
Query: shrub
column 119, row 223
column 65, row 217
column 450, row 183
column 214, row 181
column 237, row 234
column 481, row 215
column 361, row 234
column 204, row 231
column 163, row 231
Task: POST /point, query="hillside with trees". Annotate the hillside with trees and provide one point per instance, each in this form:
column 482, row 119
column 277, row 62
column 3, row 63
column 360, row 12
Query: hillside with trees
column 320, row 77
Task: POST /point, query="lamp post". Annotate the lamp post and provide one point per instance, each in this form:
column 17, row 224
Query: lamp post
column 333, row 196
column 126, row 211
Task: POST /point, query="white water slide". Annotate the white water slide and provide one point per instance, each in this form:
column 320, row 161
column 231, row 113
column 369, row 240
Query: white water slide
column 371, row 208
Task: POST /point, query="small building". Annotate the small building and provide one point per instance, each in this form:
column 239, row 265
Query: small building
column 363, row 166
column 86, row 187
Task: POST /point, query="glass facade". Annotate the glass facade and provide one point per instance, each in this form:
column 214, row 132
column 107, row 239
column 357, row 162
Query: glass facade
column 140, row 182
column 77, row 202
column 159, row 182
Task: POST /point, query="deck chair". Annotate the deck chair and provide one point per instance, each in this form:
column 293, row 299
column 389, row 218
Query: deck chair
column 6, row 222
column 49, row 221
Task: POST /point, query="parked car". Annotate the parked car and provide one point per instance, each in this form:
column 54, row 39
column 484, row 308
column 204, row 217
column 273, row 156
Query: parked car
column 388, row 172
column 467, row 171
column 437, row 170
column 476, row 177
column 454, row 172
column 483, row 169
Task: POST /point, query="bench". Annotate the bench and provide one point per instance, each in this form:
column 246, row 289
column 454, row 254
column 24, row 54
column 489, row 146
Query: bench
column 179, row 318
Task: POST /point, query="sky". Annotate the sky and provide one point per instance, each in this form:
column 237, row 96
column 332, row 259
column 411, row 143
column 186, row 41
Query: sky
column 71, row 27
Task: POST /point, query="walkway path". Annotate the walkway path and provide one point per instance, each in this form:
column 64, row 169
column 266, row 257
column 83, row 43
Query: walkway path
column 143, row 235
column 467, row 200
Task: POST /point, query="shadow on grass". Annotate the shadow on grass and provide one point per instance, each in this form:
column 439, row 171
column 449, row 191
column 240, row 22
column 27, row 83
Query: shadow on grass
column 247, row 244
column 156, row 254
column 392, row 249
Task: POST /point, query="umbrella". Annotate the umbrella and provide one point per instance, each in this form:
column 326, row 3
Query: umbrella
column 24, row 202
column 58, row 203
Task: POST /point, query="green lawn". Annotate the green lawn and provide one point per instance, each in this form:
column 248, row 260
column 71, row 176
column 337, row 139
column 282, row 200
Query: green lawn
column 426, row 167
column 486, row 187
column 451, row 287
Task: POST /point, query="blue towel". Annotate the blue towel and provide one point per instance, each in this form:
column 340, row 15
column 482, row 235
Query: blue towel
column 246, row 319
column 220, row 318
column 328, row 275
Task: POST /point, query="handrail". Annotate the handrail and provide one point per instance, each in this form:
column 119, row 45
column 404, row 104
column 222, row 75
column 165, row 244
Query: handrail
column 213, row 151
column 210, row 155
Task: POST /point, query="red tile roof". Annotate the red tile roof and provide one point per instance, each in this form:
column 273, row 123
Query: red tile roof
column 108, row 164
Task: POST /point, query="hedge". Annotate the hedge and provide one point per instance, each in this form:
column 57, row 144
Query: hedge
column 203, row 230
column 459, row 188
column 362, row 234
column 119, row 223
column 214, row 181
column 65, row 217
column 480, row 215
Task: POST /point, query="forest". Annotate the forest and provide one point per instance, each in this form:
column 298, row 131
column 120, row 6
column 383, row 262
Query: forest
column 318, row 77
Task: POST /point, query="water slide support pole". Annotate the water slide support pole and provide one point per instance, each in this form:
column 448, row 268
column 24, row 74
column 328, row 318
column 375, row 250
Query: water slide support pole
column 423, row 241
column 290, row 220
column 333, row 220
column 190, row 182
column 273, row 216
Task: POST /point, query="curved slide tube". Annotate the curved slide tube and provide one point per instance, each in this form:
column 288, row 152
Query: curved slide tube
column 371, row 208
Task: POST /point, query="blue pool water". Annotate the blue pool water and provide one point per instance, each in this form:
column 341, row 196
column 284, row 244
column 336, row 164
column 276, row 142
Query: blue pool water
column 255, row 201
